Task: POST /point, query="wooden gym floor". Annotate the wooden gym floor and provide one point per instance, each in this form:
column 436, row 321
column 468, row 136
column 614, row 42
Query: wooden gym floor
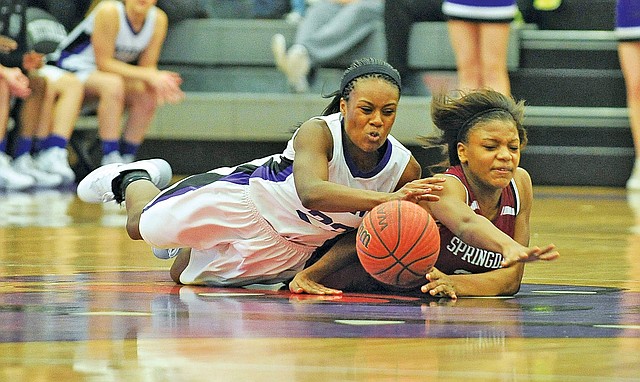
column 79, row 301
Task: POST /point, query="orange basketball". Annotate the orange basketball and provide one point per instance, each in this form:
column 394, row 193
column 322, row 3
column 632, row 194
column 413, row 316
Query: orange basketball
column 398, row 243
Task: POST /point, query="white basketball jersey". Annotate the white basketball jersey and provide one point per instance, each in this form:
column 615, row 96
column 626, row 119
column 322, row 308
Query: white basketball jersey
column 76, row 52
column 273, row 191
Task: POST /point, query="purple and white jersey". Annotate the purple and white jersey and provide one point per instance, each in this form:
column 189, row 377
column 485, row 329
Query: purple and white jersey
column 480, row 10
column 272, row 192
column 76, row 52
column 628, row 20
column 272, row 188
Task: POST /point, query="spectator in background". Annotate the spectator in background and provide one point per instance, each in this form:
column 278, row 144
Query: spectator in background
column 479, row 34
column 115, row 52
column 399, row 16
column 13, row 84
column 628, row 33
column 48, row 119
column 330, row 29
column 49, row 115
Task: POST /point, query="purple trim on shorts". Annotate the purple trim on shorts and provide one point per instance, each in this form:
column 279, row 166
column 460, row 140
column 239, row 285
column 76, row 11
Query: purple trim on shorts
column 166, row 196
column 266, row 172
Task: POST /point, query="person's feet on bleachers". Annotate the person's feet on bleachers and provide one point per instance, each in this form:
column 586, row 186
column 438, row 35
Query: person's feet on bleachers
column 294, row 63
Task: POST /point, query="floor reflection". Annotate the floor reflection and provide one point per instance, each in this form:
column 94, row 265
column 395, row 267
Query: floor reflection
column 147, row 305
column 55, row 208
column 37, row 208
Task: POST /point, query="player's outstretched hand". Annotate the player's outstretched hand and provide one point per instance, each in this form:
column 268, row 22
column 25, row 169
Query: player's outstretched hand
column 531, row 254
column 440, row 285
column 421, row 190
column 301, row 283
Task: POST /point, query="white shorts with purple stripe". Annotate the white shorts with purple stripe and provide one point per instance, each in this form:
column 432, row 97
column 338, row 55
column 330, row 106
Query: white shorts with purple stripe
column 232, row 244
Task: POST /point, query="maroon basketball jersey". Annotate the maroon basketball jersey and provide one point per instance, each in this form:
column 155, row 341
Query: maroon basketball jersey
column 456, row 256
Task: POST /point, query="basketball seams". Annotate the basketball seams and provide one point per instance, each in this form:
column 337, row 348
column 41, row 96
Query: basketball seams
column 395, row 221
column 398, row 260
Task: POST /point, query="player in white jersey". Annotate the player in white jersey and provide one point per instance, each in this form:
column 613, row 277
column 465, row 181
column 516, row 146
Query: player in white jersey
column 115, row 52
column 261, row 221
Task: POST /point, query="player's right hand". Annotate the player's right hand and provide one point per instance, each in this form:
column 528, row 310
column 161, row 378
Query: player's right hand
column 424, row 189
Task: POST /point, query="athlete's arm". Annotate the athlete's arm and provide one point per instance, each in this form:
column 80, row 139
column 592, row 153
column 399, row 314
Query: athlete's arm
column 475, row 231
column 341, row 255
column 313, row 145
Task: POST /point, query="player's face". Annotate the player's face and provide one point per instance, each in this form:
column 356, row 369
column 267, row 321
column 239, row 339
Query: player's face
column 370, row 113
column 492, row 154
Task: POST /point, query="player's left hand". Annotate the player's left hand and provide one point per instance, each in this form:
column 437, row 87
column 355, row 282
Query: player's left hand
column 302, row 283
column 530, row 254
column 440, row 285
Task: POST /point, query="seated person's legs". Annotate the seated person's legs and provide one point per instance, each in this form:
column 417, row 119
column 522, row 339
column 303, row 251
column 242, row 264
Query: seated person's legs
column 109, row 90
column 30, row 137
column 141, row 106
column 60, row 112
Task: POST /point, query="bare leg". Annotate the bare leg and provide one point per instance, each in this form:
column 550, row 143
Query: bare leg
column 464, row 38
column 137, row 195
column 70, row 94
column 180, row 263
column 629, row 53
column 141, row 105
column 30, row 113
column 5, row 100
column 494, row 43
column 109, row 88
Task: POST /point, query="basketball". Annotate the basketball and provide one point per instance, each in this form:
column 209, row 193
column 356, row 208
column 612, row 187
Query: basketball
column 398, row 243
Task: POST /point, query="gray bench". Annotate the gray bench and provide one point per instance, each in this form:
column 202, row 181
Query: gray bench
column 222, row 42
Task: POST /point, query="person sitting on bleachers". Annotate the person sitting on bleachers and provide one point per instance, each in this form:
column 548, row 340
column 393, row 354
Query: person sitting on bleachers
column 115, row 52
column 329, row 29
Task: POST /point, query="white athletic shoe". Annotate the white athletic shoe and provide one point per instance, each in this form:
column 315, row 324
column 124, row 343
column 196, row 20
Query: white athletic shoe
column 25, row 164
column 55, row 160
column 299, row 66
column 96, row 187
column 165, row 253
column 279, row 49
column 112, row 157
column 11, row 179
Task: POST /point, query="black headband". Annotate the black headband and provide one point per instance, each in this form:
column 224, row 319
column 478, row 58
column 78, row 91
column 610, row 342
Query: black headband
column 467, row 124
column 365, row 69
